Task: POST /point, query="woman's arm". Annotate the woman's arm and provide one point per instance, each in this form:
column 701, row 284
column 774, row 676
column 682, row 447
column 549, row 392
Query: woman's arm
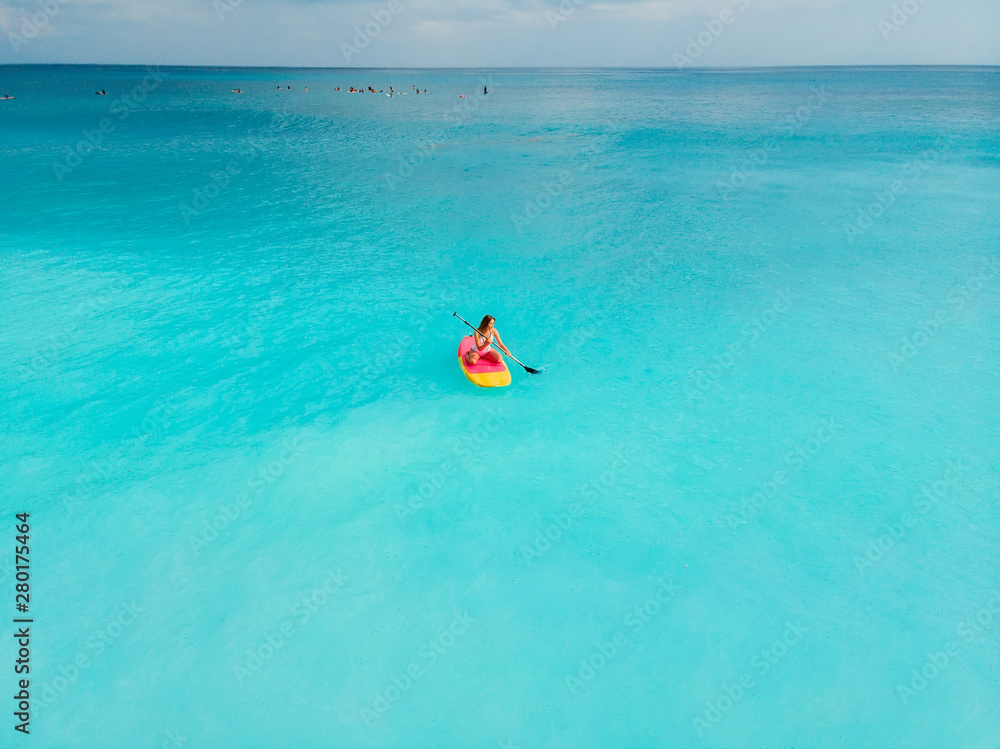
column 499, row 343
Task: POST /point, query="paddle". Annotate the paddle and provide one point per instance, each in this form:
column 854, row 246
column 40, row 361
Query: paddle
column 527, row 369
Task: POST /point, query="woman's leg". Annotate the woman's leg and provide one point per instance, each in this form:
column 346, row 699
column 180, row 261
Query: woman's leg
column 471, row 357
column 492, row 356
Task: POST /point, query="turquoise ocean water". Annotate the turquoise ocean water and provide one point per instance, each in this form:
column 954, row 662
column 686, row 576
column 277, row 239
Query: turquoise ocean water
column 751, row 502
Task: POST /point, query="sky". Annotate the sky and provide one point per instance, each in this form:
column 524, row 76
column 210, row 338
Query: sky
column 502, row 33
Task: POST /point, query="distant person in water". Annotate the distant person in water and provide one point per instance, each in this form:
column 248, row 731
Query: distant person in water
column 100, row 93
column 485, row 91
column 483, row 338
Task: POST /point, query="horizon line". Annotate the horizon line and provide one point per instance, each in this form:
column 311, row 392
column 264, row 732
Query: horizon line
column 674, row 68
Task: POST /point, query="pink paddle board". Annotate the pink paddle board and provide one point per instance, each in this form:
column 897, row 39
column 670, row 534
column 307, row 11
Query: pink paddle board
column 482, row 373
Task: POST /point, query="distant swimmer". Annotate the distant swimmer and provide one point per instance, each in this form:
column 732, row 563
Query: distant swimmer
column 461, row 96
column 485, row 91
column 100, row 93
column 237, row 91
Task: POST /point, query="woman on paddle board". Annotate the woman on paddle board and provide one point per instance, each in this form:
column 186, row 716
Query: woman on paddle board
column 485, row 336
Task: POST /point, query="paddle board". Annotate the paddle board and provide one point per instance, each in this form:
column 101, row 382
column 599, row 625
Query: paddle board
column 484, row 374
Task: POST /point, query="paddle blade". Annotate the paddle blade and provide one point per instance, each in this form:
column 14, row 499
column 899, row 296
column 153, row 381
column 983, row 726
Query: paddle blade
column 529, row 370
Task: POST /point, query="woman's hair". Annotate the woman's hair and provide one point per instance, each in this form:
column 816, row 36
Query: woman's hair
column 486, row 321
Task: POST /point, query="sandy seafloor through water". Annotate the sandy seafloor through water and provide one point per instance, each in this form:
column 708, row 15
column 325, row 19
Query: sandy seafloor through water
column 751, row 502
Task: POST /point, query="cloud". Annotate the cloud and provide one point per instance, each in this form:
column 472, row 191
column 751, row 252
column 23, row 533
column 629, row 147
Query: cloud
column 644, row 10
column 487, row 33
